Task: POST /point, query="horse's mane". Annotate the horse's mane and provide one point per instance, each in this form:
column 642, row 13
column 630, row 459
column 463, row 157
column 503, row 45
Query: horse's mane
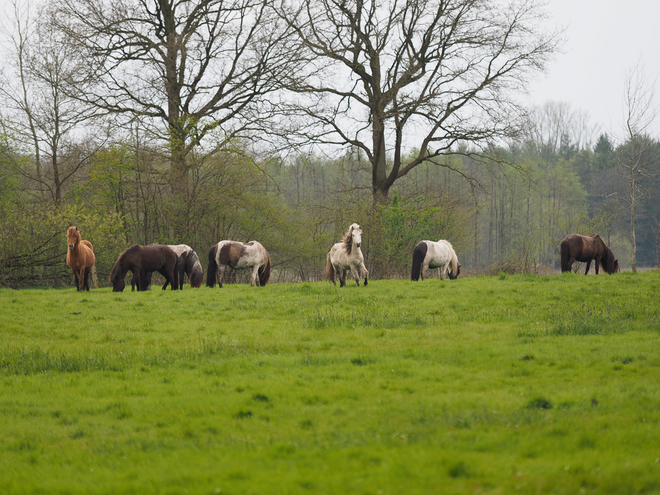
column 76, row 232
column 348, row 240
column 134, row 248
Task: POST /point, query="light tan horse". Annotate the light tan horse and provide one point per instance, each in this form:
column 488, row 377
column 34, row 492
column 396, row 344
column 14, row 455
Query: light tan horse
column 79, row 257
column 346, row 255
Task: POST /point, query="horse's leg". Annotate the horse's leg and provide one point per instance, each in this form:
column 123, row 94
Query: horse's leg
column 588, row 266
column 86, row 279
column 342, row 276
column 597, row 264
column 221, row 273
column 255, row 270
column 365, row 272
column 356, row 275
column 142, row 280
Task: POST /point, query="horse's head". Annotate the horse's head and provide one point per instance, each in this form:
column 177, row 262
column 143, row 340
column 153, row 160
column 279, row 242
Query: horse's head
column 356, row 234
column 118, row 282
column 454, row 276
column 72, row 237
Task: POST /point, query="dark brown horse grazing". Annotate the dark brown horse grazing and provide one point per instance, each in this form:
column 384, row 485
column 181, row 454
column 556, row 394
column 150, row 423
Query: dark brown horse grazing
column 188, row 264
column 577, row 247
column 142, row 260
column 79, row 257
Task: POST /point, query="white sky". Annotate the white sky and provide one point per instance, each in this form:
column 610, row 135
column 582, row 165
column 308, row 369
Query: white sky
column 604, row 39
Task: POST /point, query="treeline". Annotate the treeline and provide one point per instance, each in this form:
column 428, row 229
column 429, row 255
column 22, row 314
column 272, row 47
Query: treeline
column 193, row 122
column 507, row 209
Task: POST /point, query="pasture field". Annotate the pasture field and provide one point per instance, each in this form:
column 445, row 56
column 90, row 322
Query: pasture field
column 504, row 384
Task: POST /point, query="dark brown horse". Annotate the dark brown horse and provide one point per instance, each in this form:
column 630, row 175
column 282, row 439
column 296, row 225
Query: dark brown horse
column 577, row 247
column 188, row 264
column 141, row 261
column 79, row 257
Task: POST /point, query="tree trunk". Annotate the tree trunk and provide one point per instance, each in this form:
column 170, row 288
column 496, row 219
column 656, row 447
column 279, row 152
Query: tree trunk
column 633, row 257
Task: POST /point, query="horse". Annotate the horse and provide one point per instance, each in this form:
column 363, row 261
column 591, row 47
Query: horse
column 238, row 256
column 79, row 257
column 429, row 254
column 347, row 255
column 187, row 264
column 141, row 260
column 576, row 247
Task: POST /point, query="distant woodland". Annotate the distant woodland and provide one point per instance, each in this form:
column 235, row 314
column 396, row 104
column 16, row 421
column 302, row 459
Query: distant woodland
column 192, row 123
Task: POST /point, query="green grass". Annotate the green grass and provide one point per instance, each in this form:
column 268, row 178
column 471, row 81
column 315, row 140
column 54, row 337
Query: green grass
column 478, row 385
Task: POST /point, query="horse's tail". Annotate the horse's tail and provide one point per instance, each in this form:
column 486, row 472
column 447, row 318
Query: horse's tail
column 419, row 253
column 264, row 272
column 212, row 271
column 565, row 256
column 329, row 269
column 455, row 267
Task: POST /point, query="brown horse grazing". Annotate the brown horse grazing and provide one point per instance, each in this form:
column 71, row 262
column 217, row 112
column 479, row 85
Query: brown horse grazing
column 142, row 260
column 577, row 247
column 79, row 257
column 187, row 264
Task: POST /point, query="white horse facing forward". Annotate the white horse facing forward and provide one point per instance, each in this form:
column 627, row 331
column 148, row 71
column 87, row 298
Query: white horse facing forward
column 429, row 254
column 238, row 255
column 346, row 255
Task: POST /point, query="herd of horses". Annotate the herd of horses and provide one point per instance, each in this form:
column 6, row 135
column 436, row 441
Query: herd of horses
column 174, row 262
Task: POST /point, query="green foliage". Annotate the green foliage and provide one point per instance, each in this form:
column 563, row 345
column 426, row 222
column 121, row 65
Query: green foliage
column 399, row 226
column 33, row 243
column 415, row 388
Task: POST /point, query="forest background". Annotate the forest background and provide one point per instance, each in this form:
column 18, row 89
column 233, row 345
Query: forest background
column 127, row 134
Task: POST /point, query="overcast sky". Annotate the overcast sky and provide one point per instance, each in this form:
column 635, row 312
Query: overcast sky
column 604, row 39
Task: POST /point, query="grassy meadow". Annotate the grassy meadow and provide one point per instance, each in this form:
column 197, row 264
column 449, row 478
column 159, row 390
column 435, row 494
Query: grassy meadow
column 504, row 384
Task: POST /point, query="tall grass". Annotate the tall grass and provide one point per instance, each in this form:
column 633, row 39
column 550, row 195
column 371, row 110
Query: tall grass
column 477, row 385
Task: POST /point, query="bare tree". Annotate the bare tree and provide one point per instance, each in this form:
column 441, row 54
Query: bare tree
column 555, row 125
column 192, row 68
column 398, row 76
column 636, row 153
column 34, row 89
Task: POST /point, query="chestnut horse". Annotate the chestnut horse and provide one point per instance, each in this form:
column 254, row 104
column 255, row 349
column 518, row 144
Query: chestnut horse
column 79, row 257
column 141, row 261
column 576, row 247
column 347, row 255
column 238, row 256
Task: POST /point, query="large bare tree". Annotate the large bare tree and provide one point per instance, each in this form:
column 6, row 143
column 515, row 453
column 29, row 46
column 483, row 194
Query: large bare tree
column 193, row 68
column 391, row 77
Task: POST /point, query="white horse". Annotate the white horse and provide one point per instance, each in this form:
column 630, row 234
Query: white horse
column 429, row 254
column 239, row 255
column 347, row 255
